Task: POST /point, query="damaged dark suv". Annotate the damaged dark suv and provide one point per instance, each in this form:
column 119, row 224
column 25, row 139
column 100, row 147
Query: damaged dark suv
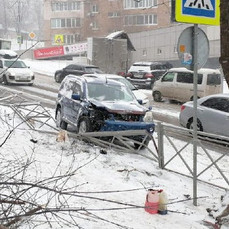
column 92, row 104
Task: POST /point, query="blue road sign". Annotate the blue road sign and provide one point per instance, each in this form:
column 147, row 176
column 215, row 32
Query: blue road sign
column 198, row 11
column 204, row 8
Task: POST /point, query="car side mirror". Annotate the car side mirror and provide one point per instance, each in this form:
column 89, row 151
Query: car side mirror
column 75, row 97
column 140, row 101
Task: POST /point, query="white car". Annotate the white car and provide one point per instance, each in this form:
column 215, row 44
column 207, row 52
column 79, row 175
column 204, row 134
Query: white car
column 177, row 84
column 15, row 71
column 140, row 96
column 212, row 114
column 144, row 74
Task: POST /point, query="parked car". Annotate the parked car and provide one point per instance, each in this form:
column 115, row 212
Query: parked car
column 144, row 74
column 212, row 114
column 177, row 84
column 75, row 69
column 140, row 96
column 15, row 71
column 8, row 54
column 98, row 104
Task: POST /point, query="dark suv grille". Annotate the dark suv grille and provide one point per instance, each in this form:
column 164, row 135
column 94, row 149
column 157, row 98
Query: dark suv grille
column 127, row 117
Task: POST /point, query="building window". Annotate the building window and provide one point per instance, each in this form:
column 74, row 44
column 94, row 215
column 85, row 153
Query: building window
column 94, row 25
column 113, row 14
column 65, row 6
column 144, row 52
column 148, row 19
column 95, row 9
column 65, row 23
column 69, row 38
column 133, row 4
column 159, row 51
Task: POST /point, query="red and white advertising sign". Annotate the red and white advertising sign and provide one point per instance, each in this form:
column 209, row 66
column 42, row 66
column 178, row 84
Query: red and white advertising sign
column 48, row 52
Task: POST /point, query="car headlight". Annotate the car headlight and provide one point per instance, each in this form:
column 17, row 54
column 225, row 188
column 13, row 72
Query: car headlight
column 12, row 74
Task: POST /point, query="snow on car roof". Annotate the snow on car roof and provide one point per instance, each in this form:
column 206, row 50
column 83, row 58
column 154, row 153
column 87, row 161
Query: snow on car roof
column 107, row 75
column 8, row 54
column 89, row 78
column 145, row 63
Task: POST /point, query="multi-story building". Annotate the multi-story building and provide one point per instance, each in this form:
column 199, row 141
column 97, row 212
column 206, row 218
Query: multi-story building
column 76, row 20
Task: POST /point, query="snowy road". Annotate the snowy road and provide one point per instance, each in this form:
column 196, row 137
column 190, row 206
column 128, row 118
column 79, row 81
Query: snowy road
column 45, row 91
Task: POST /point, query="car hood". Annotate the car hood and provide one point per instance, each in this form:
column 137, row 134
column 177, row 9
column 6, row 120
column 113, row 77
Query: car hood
column 18, row 71
column 140, row 95
column 120, row 107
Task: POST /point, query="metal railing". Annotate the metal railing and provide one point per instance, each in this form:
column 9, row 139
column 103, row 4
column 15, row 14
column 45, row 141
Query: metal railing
column 212, row 151
column 172, row 151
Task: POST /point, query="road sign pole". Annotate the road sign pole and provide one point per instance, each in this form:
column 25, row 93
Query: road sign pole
column 197, row 12
column 195, row 85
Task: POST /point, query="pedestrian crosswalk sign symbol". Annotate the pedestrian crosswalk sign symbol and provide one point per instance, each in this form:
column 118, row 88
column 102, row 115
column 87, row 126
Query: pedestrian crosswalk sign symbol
column 198, row 11
column 59, row 39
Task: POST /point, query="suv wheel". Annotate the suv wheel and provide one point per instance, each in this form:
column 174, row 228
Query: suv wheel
column 151, row 85
column 59, row 122
column 84, row 125
column 157, row 96
column 5, row 81
column 57, row 78
column 199, row 125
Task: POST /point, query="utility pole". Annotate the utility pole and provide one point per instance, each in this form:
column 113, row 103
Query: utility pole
column 5, row 17
column 224, row 34
column 19, row 17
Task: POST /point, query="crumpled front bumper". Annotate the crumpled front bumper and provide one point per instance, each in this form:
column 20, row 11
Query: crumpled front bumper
column 112, row 125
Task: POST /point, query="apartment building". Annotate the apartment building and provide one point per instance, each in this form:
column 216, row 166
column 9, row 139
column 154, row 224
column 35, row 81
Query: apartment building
column 75, row 21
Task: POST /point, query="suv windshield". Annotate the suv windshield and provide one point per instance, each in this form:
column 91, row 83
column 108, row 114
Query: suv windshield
column 125, row 82
column 15, row 64
column 109, row 92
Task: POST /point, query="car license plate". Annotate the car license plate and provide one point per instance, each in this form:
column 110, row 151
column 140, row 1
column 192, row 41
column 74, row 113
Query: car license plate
column 139, row 75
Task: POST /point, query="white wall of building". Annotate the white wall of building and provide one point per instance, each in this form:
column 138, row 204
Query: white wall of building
column 161, row 44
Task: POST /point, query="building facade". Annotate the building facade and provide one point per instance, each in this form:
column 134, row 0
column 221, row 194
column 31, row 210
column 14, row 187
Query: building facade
column 76, row 20
column 161, row 44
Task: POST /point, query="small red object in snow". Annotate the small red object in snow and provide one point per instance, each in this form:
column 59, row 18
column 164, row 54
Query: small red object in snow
column 152, row 202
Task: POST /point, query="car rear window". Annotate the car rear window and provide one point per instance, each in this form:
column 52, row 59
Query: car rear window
column 214, row 79
column 187, row 77
column 158, row 67
column 142, row 65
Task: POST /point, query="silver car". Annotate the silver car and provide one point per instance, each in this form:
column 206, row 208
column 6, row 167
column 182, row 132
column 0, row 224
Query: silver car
column 212, row 114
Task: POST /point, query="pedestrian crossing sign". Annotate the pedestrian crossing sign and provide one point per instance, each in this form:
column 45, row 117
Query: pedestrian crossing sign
column 198, row 11
column 59, row 39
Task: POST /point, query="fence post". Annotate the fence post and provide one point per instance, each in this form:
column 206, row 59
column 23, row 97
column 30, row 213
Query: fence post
column 160, row 133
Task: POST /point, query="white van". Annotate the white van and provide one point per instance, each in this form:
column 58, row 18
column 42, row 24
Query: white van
column 177, row 84
column 15, row 71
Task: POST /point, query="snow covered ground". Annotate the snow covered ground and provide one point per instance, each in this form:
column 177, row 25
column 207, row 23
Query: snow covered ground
column 110, row 186
column 118, row 180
